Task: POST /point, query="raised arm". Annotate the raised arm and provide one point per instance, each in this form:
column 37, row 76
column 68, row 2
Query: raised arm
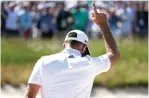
column 100, row 18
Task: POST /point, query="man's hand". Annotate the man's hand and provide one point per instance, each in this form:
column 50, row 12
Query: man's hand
column 99, row 17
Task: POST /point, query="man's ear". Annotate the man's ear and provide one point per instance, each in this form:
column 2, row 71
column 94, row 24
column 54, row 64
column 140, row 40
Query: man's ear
column 84, row 51
column 84, row 48
column 64, row 45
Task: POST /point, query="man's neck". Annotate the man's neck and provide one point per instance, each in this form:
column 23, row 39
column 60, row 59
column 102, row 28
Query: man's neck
column 69, row 47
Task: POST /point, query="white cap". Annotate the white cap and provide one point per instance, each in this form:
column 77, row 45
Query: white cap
column 78, row 36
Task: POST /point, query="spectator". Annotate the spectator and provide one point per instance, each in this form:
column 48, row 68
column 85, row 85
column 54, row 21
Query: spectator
column 90, row 22
column 142, row 20
column 133, row 8
column 25, row 21
column 126, row 23
column 113, row 21
column 35, row 17
column 80, row 18
column 45, row 23
column 64, row 20
column 12, row 21
column 4, row 15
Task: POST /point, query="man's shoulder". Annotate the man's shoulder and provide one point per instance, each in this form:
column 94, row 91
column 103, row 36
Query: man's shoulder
column 100, row 57
column 50, row 57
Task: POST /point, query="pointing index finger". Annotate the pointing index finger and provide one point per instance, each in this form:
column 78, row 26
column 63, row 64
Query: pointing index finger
column 95, row 10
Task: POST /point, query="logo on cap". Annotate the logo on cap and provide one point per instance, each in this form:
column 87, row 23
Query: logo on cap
column 72, row 34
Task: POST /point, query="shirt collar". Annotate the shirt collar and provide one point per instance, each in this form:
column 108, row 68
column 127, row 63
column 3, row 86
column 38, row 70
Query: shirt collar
column 71, row 51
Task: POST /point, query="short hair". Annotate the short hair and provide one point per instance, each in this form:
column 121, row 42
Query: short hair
column 74, row 42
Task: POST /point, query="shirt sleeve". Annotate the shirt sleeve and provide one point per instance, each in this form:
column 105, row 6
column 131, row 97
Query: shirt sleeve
column 35, row 77
column 101, row 63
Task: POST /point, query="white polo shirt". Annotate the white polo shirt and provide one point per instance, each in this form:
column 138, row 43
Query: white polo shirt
column 67, row 74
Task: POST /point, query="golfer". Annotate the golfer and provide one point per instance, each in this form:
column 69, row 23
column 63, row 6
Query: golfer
column 70, row 73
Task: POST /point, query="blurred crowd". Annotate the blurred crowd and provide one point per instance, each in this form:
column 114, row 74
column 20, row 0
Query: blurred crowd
column 45, row 19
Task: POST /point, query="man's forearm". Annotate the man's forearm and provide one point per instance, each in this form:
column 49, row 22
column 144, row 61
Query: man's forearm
column 110, row 43
column 32, row 90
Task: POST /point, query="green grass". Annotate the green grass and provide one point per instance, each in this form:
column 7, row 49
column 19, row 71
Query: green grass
column 19, row 56
column 20, row 51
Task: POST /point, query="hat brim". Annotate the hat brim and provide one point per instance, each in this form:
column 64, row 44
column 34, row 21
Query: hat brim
column 87, row 52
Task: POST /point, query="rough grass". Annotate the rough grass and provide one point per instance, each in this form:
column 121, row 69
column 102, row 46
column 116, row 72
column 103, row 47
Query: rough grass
column 19, row 56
